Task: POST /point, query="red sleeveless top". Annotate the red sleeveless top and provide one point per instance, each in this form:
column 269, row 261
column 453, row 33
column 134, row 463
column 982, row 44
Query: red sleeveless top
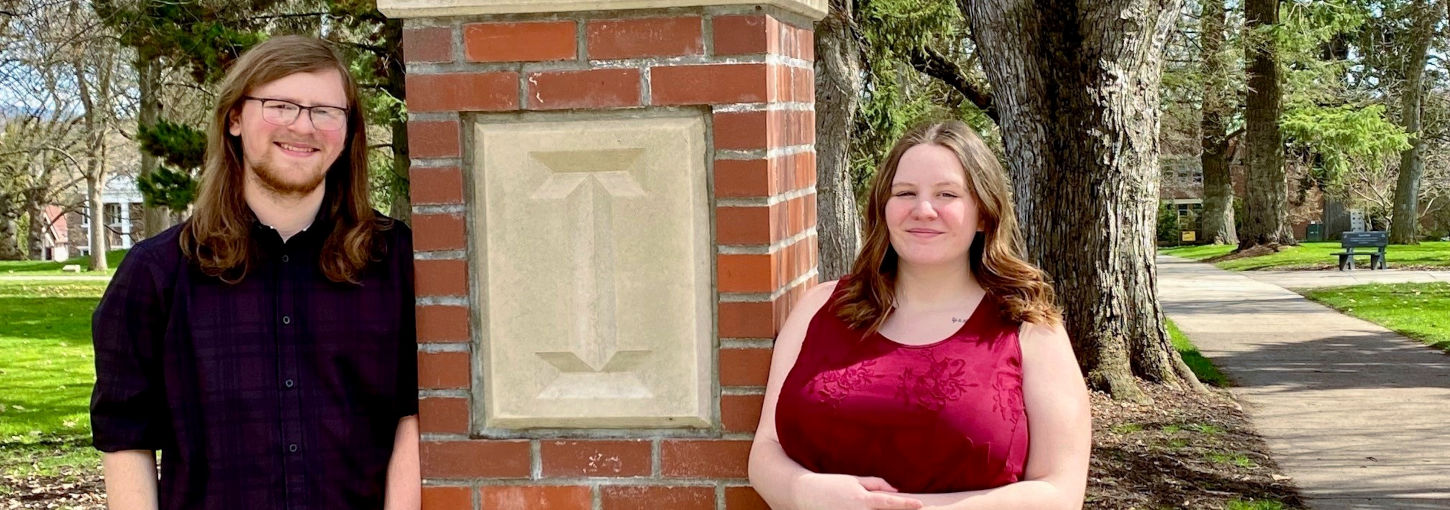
column 941, row 417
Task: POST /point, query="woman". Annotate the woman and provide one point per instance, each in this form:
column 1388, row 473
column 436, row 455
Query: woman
column 910, row 382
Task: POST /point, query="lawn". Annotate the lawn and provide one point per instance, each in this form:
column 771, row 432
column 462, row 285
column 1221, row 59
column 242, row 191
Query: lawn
column 1417, row 310
column 51, row 268
column 1317, row 256
column 47, row 372
column 1203, row 368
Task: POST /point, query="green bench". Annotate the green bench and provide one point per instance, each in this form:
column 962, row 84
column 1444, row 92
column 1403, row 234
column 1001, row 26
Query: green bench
column 1351, row 240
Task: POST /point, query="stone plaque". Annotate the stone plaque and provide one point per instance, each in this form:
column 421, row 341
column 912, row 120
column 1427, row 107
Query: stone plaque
column 591, row 234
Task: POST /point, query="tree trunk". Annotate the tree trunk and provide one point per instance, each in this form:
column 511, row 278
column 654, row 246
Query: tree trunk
column 154, row 217
column 1077, row 87
column 10, row 232
column 396, row 85
column 1406, row 216
column 838, row 89
column 98, row 221
column 1217, row 221
column 39, row 223
column 1264, row 206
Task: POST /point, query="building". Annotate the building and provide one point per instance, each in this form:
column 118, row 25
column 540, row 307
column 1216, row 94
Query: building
column 122, row 203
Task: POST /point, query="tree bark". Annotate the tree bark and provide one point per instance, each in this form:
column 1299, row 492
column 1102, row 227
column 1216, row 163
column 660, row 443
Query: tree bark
column 1264, row 206
column 10, row 232
column 154, row 217
column 838, row 89
column 1217, row 221
column 1076, row 84
column 1406, row 216
column 396, row 85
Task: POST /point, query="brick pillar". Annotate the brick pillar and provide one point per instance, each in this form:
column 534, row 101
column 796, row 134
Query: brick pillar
column 736, row 83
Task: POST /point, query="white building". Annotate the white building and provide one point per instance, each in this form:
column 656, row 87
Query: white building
column 122, row 202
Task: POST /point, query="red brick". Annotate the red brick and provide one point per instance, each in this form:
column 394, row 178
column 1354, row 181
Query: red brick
column 535, row 497
column 595, row 88
column 803, row 86
column 623, row 497
column 443, row 370
column 747, row 178
column 745, row 272
column 459, row 92
column 749, row 225
column 475, row 459
column 645, row 37
column 565, row 459
column 802, row 173
column 447, row 498
column 740, row 413
column 745, row 35
column 746, row 320
column 440, row 277
column 442, row 323
column 806, row 41
column 443, row 415
column 442, row 185
column 433, row 139
column 688, row 458
column 743, row 498
column 519, row 42
column 709, row 84
column 434, row 44
column 744, row 367
column 437, row 232
column 742, row 130
column 795, row 215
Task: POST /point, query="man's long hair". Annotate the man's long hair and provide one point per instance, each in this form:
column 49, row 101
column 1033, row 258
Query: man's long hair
column 997, row 255
column 217, row 237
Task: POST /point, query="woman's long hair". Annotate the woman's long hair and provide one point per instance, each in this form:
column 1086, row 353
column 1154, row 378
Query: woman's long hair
column 996, row 257
column 217, row 237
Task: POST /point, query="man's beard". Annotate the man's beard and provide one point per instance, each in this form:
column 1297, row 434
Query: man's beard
column 277, row 182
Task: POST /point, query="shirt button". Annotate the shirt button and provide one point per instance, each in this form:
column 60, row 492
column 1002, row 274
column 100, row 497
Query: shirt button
column 292, row 447
column 286, row 319
column 285, row 258
column 289, row 383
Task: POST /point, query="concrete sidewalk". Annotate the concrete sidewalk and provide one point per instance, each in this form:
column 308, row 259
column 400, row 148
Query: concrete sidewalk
column 1335, row 278
column 1357, row 415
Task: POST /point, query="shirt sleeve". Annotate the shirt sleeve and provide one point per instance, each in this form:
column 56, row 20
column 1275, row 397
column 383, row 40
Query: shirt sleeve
column 407, row 404
column 128, row 409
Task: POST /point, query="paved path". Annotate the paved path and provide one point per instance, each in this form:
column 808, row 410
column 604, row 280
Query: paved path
column 1357, row 415
column 1335, row 278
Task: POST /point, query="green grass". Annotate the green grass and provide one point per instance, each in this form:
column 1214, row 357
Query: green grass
column 1235, row 459
column 47, row 371
column 1417, row 310
column 1318, row 256
column 1255, row 504
column 51, row 268
column 1203, row 368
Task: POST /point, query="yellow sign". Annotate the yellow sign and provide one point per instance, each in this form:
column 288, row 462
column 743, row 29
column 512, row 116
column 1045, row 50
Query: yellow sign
column 1190, row 236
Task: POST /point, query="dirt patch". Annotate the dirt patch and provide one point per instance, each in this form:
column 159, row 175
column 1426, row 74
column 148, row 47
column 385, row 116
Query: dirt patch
column 65, row 491
column 1182, row 451
column 1256, row 251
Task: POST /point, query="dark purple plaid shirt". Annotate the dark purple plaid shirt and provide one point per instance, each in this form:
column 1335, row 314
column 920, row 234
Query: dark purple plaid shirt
column 281, row 392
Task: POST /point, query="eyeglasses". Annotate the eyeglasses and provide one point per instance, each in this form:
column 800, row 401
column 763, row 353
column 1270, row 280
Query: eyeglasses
column 284, row 113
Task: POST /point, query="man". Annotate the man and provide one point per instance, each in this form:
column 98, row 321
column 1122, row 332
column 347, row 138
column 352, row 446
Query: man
column 266, row 346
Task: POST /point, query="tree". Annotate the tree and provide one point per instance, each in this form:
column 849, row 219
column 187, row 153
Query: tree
column 838, row 89
column 1264, row 211
column 1075, row 85
column 1406, row 218
column 1217, row 221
